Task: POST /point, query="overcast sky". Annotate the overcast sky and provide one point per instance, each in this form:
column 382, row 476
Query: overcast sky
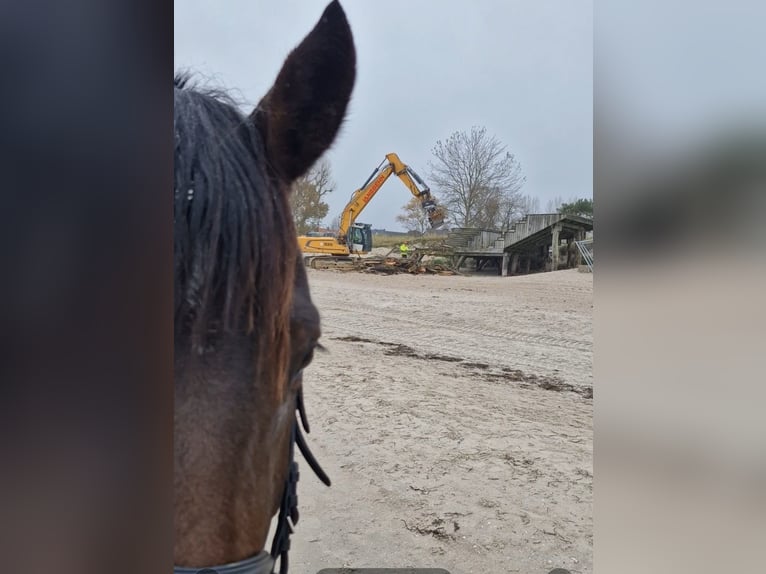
column 426, row 68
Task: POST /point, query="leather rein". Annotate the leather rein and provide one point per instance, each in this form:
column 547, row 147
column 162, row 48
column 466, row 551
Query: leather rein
column 264, row 562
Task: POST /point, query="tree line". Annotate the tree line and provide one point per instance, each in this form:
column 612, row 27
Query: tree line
column 472, row 174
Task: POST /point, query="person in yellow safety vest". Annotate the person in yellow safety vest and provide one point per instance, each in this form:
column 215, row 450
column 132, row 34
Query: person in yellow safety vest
column 403, row 249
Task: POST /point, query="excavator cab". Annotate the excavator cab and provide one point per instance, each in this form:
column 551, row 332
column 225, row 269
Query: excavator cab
column 359, row 238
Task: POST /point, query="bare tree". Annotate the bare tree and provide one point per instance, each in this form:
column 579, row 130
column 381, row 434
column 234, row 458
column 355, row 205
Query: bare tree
column 502, row 211
column 554, row 204
column 478, row 178
column 307, row 197
column 413, row 217
column 529, row 205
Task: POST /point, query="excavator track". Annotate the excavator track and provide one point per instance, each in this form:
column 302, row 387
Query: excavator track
column 332, row 262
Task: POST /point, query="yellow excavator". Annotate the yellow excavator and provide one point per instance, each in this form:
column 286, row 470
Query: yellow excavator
column 356, row 238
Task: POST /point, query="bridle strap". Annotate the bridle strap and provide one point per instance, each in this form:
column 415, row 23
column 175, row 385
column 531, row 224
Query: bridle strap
column 288, row 509
column 301, row 442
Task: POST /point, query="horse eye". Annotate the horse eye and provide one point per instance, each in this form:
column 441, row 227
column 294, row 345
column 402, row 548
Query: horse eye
column 307, row 358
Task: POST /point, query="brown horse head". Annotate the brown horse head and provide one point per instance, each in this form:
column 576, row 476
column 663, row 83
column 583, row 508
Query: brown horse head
column 245, row 326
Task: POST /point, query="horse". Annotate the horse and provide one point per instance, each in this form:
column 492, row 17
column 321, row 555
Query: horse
column 245, row 326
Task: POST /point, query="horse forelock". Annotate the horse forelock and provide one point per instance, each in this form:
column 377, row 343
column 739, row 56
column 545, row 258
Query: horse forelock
column 234, row 247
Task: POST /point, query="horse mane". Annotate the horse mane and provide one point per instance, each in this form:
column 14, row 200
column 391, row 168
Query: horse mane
column 233, row 236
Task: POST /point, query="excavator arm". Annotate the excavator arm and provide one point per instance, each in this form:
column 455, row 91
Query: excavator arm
column 362, row 196
column 418, row 188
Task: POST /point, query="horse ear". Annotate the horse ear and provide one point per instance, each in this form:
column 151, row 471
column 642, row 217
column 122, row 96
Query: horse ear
column 302, row 112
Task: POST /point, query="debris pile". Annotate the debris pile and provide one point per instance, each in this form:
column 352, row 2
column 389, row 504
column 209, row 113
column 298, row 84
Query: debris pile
column 418, row 262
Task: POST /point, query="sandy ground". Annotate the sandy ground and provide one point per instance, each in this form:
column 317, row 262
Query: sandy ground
column 454, row 416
